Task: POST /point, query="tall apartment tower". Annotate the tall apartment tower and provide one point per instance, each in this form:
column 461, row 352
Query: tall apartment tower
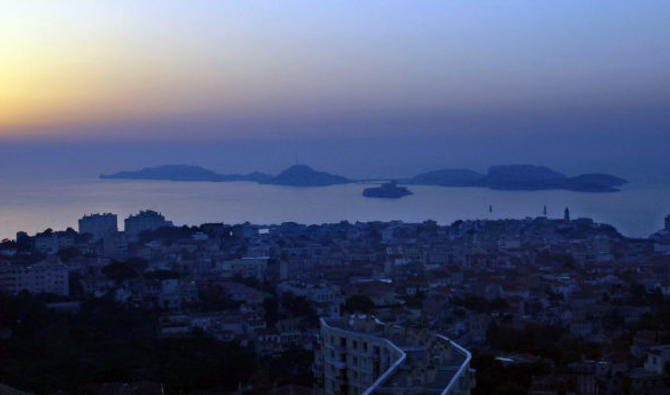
column 360, row 355
column 667, row 223
column 144, row 220
column 98, row 225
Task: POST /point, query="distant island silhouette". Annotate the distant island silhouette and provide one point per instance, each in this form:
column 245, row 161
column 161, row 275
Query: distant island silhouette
column 519, row 177
column 185, row 173
column 507, row 177
column 388, row 190
column 305, row 176
column 295, row 176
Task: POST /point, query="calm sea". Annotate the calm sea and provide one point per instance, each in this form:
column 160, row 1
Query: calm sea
column 30, row 206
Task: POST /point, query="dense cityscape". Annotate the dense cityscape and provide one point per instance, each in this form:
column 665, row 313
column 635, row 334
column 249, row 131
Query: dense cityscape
column 381, row 197
column 528, row 306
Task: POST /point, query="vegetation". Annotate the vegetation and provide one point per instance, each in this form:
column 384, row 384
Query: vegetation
column 107, row 342
column 359, row 304
column 482, row 305
column 495, row 378
column 550, row 342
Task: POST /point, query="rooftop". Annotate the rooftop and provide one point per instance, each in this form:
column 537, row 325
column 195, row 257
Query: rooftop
column 98, row 215
column 431, row 361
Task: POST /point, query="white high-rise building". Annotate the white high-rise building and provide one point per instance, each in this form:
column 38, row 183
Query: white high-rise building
column 360, row 355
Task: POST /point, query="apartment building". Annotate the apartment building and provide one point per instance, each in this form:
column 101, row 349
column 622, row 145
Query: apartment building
column 38, row 278
column 360, row 355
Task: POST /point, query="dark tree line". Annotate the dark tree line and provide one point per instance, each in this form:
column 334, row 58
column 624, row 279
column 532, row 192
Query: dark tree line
column 107, row 342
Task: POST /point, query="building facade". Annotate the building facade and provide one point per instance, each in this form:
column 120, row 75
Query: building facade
column 326, row 297
column 360, row 355
column 98, row 225
column 248, row 267
column 49, row 242
column 38, row 278
column 143, row 221
column 115, row 246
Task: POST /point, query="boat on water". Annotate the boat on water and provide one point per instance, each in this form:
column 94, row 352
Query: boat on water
column 388, row 190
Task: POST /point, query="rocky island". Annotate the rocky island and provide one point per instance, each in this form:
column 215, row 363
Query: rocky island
column 184, row 173
column 389, row 190
column 296, row 176
column 305, row 176
column 508, row 177
column 447, row 178
column 519, row 177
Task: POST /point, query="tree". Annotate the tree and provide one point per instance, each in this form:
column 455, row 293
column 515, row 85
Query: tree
column 106, row 341
column 7, row 244
column 297, row 306
column 161, row 274
column 271, row 310
column 67, row 253
column 119, row 271
column 498, row 304
column 216, row 299
column 359, row 304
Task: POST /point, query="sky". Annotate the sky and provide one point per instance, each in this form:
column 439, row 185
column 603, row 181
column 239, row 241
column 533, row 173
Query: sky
column 308, row 76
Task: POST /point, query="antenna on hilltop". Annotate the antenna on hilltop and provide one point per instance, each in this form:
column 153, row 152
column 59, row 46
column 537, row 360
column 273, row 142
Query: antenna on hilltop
column 297, row 162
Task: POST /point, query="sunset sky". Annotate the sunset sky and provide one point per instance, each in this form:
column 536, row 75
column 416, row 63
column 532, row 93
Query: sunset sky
column 259, row 69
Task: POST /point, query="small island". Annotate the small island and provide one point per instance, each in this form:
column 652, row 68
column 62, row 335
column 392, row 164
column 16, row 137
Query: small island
column 388, row 190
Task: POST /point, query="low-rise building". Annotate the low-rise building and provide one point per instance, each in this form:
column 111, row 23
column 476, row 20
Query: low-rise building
column 38, row 278
column 248, row 267
column 115, row 246
column 327, row 297
column 50, row 242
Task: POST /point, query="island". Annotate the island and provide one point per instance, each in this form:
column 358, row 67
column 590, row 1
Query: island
column 305, row 176
column 519, row 177
column 506, row 177
column 184, row 173
column 297, row 176
column 388, row 190
column 447, row 178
